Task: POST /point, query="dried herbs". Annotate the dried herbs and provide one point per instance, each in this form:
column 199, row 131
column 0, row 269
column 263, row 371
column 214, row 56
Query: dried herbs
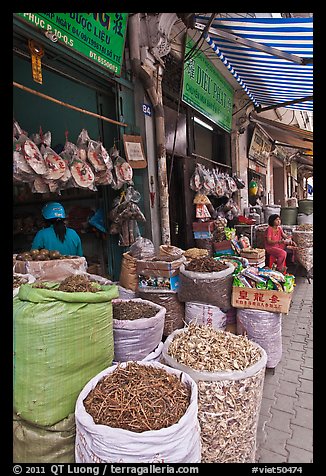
column 138, row 398
column 132, row 310
column 77, row 283
column 205, row 264
column 206, row 349
column 228, row 406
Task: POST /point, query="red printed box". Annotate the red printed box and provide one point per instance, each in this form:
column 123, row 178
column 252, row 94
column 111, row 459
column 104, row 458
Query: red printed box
column 262, row 299
column 203, row 226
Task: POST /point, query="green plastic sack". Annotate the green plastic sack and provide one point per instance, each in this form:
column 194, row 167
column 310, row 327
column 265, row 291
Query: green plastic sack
column 61, row 341
column 44, row 444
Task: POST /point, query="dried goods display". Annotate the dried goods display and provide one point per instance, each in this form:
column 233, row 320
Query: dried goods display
column 205, row 265
column 304, row 238
column 175, row 310
column 209, row 350
column 76, row 330
column 229, row 371
column 77, row 283
column 211, row 287
column 138, row 398
column 131, row 310
column 42, row 255
column 192, row 253
column 18, row 280
column 83, row 165
column 138, row 412
column 124, row 216
column 137, row 328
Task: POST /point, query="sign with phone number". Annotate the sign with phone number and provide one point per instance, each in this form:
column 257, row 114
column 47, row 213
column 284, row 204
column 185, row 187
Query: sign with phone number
column 100, row 37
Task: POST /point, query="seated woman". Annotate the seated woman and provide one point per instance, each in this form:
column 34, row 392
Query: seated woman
column 276, row 241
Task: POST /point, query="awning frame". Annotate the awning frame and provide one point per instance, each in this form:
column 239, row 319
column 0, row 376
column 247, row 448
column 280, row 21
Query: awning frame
column 254, row 44
column 254, row 84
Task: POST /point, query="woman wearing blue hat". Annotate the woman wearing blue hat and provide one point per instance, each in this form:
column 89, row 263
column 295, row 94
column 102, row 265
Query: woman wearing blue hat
column 57, row 236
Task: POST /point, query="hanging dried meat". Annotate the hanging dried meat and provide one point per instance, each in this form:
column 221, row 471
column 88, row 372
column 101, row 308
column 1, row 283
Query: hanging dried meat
column 96, row 155
column 55, row 164
column 34, row 157
column 82, row 174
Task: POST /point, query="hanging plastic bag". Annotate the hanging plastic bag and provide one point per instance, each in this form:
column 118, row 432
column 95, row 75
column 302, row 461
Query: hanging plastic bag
column 82, row 144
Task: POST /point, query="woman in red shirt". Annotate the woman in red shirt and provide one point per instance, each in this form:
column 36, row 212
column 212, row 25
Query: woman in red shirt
column 276, row 241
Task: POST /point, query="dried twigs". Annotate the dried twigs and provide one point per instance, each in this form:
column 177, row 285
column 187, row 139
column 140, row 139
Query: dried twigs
column 138, row 398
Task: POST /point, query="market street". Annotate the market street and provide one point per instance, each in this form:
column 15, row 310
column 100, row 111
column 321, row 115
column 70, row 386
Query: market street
column 285, row 429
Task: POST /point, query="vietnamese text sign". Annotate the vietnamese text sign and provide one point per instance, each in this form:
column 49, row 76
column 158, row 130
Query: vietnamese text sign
column 100, row 37
column 206, row 90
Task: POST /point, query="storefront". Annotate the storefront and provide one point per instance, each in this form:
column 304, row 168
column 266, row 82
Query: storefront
column 198, row 119
column 69, row 75
column 258, row 162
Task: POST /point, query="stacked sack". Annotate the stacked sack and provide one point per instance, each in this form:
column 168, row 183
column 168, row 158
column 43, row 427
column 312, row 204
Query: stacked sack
column 62, row 338
column 205, row 286
column 158, row 282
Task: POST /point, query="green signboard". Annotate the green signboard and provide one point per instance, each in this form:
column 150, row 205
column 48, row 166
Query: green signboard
column 206, row 90
column 100, row 37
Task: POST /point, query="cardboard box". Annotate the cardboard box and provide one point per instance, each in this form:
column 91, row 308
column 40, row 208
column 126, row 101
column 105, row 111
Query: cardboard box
column 224, row 252
column 203, row 226
column 158, row 282
column 202, row 235
column 222, row 245
column 262, row 299
column 52, row 270
column 253, row 253
column 165, row 269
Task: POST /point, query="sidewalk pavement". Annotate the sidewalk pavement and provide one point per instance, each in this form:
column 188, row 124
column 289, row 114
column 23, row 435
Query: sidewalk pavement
column 285, row 428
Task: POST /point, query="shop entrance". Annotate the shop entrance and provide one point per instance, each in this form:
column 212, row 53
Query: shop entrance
column 35, row 114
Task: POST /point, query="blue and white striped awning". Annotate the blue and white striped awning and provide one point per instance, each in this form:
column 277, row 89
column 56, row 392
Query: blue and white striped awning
column 268, row 79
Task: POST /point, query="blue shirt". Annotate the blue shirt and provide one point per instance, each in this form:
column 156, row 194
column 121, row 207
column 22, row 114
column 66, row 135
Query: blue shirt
column 47, row 239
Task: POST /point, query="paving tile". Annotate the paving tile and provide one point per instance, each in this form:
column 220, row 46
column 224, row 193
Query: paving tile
column 301, row 437
column 306, row 386
column 285, row 403
column 276, row 440
column 307, row 374
column 303, row 417
column 307, row 362
column 304, row 400
column 266, row 404
column 287, row 388
column 266, row 456
column 295, row 354
column 299, row 455
column 291, row 376
column 280, row 420
column 297, row 346
column 292, row 364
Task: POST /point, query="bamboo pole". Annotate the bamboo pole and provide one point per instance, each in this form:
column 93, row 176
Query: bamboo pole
column 49, row 98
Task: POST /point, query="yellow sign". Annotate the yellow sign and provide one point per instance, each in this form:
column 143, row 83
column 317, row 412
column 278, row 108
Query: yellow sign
column 36, row 54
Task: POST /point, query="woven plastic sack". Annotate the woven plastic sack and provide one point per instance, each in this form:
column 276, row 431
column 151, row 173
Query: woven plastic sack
column 44, row 444
column 264, row 328
column 205, row 314
column 179, row 443
column 210, row 288
column 175, row 309
column 128, row 274
column 61, row 340
column 135, row 339
column 26, row 278
column 228, row 407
